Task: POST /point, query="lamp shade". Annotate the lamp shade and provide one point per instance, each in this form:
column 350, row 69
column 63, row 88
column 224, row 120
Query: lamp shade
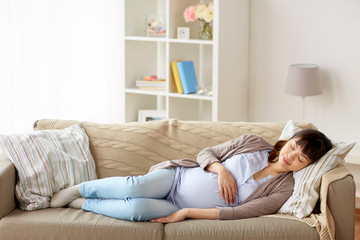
column 303, row 80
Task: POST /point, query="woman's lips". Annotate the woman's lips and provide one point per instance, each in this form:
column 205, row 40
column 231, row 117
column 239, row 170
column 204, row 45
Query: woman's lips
column 286, row 162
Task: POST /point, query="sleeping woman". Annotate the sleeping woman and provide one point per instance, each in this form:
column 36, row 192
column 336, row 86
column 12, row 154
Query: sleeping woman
column 241, row 178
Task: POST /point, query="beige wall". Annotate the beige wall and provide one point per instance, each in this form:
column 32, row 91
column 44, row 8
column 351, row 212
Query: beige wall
column 324, row 32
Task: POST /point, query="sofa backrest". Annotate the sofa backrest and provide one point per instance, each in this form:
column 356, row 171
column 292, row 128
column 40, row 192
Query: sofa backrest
column 124, row 149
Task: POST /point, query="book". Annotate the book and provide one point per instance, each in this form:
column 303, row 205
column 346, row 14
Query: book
column 187, row 76
column 150, row 83
column 176, row 77
column 150, row 88
column 150, row 78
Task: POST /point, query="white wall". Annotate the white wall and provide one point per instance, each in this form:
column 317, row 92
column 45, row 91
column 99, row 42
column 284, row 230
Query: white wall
column 324, row 32
column 58, row 59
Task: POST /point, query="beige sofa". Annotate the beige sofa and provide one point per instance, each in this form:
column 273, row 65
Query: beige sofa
column 130, row 149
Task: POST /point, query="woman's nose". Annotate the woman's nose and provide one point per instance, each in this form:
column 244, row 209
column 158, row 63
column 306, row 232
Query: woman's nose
column 292, row 157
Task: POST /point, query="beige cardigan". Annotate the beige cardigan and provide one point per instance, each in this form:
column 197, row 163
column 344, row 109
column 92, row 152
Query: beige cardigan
column 266, row 199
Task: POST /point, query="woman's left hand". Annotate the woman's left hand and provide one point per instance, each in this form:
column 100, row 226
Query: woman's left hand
column 174, row 217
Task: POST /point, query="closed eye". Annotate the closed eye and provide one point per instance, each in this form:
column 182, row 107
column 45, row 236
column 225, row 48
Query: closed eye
column 303, row 155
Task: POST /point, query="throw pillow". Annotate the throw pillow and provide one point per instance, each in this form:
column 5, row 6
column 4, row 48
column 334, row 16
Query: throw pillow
column 289, row 130
column 307, row 180
column 48, row 161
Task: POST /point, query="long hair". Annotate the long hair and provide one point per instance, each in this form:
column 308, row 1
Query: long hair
column 274, row 154
column 314, row 145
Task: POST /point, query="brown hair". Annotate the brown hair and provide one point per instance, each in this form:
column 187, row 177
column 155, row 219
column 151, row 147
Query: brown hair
column 314, row 143
column 273, row 155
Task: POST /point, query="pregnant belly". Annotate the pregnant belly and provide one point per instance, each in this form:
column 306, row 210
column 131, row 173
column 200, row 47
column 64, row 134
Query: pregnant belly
column 197, row 188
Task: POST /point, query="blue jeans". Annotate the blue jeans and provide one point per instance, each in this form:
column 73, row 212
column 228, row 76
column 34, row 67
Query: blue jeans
column 139, row 198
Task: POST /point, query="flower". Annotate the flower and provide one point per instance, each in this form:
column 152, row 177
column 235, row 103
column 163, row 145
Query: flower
column 204, row 13
column 200, row 12
column 208, row 15
column 189, row 14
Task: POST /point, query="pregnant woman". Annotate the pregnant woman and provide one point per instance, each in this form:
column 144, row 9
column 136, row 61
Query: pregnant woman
column 242, row 178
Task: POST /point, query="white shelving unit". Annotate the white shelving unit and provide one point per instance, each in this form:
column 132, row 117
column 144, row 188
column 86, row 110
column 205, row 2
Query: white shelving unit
column 221, row 63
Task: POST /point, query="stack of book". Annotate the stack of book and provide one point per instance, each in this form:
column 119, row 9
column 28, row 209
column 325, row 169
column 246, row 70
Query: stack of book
column 184, row 76
column 151, row 83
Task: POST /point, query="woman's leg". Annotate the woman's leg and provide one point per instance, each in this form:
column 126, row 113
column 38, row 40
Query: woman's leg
column 152, row 185
column 77, row 203
column 65, row 196
column 134, row 209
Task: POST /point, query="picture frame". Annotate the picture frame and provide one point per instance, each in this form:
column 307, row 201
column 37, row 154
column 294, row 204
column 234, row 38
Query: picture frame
column 155, row 26
column 183, row 32
column 151, row 115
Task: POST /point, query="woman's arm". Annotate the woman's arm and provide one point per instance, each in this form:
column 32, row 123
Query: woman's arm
column 266, row 199
column 182, row 214
column 210, row 159
column 226, row 182
column 221, row 152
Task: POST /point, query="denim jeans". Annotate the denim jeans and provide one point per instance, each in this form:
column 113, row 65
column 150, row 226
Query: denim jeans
column 138, row 198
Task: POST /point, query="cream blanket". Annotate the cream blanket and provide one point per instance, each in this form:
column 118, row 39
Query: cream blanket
column 323, row 222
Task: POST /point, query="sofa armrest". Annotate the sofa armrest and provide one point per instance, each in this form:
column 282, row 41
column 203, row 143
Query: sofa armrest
column 341, row 203
column 7, row 186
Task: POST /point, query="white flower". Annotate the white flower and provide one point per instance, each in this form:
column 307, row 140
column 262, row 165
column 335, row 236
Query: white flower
column 208, row 14
column 200, row 10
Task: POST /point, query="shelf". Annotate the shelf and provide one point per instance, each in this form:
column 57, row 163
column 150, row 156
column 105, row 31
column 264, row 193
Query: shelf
column 163, row 93
column 148, row 39
column 171, row 40
column 145, row 92
column 220, row 64
column 191, row 96
column 191, row 41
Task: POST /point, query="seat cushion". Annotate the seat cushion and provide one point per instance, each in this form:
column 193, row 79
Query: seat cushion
column 250, row 229
column 67, row 223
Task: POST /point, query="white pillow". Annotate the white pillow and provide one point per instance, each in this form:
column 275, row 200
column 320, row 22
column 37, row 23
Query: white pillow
column 289, row 130
column 48, row 161
column 307, row 180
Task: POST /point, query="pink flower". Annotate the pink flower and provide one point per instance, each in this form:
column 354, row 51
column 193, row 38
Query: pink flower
column 189, row 14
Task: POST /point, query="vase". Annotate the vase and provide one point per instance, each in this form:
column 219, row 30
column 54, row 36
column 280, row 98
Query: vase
column 205, row 30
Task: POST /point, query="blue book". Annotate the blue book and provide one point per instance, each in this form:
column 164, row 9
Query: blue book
column 187, row 76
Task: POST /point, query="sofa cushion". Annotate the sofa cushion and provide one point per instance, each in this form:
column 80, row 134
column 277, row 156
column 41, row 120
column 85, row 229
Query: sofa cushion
column 250, row 229
column 48, row 161
column 68, row 223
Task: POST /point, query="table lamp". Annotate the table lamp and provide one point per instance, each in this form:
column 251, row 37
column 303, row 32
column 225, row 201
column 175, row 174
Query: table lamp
column 303, row 80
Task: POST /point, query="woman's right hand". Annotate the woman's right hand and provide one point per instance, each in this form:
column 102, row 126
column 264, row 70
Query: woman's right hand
column 226, row 182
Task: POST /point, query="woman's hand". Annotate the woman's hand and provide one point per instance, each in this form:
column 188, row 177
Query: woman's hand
column 174, row 217
column 207, row 213
column 226, row 182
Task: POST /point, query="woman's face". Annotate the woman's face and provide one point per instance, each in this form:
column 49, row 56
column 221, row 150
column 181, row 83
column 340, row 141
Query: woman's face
column 291, row 157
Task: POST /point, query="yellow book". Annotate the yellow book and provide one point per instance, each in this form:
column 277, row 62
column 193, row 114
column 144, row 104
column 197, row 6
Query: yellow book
column 176, row 77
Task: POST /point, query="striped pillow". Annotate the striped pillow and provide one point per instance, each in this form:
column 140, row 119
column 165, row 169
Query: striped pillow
column 289, row 130
column 48, row 161
column 307, row 180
